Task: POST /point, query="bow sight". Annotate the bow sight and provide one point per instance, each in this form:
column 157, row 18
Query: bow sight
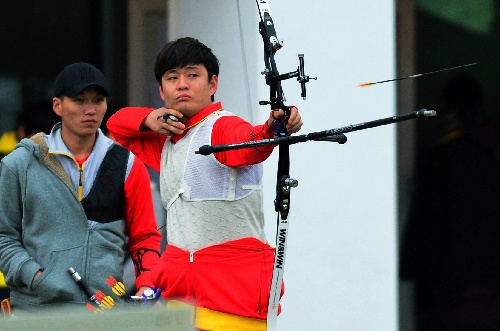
column 302, row 78
column 271, row 45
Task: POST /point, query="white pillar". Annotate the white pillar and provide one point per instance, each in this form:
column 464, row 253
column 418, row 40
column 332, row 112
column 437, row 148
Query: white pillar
column 340, row 272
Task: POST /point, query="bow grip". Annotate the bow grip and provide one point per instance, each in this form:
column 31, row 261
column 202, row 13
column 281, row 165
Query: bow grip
column 279, row 127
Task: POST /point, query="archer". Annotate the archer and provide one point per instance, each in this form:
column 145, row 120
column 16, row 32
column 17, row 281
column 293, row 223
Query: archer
column 217, row 257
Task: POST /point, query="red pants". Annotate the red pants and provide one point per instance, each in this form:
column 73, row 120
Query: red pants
column 233, row 277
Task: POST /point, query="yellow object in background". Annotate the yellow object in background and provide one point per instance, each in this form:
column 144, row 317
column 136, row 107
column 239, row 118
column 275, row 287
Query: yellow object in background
column 8, row 141
column 2, row 281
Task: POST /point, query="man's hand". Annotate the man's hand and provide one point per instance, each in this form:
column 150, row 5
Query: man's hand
column 141, row 289
column 155, row 122
column 294, row 121
column 38, row 274
column 140, row 292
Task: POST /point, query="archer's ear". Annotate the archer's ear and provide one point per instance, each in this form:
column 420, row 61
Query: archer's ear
column 160, row 89
column 214, row 84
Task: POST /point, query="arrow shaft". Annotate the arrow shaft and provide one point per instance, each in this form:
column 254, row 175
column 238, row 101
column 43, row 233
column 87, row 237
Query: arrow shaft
column 418, row 75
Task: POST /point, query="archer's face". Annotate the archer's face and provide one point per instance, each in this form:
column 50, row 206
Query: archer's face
column 188, row 89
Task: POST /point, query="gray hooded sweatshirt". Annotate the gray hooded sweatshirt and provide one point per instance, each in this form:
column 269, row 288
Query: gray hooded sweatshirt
column 43, row 226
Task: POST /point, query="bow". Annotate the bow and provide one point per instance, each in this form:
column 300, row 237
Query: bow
column 277, row 101
column 283, row 181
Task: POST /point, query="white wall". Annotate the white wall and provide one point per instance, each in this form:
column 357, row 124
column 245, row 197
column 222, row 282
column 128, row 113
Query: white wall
column 340, row 271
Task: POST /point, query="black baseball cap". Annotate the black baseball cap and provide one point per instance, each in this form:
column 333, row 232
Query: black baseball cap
column 75, row 77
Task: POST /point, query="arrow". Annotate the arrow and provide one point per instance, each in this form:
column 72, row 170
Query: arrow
column 105, row 300
column 92, row 308
column 416, row 75
column 76, row 277
column 117, row 287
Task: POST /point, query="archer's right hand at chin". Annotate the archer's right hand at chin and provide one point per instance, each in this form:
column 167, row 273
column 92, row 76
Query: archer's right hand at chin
column 160, row 121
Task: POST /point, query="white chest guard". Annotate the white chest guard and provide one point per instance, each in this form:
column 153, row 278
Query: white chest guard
column 207, row 202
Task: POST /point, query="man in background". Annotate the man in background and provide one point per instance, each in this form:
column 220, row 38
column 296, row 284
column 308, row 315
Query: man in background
column 74, row 199
column 450, row 246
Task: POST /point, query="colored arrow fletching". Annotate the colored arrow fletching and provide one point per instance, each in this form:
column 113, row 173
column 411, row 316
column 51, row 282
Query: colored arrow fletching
column 119, row 289
column 105, row 300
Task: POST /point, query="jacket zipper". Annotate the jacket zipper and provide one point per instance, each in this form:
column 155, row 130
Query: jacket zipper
column 80, row 183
